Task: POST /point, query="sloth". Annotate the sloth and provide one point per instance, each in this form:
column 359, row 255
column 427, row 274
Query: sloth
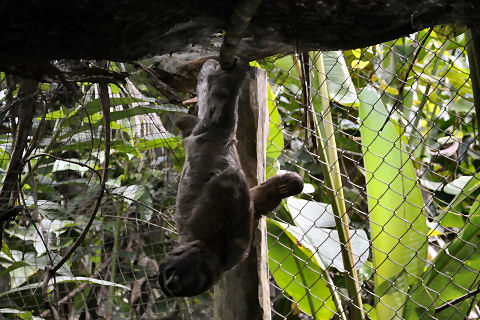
column 215, row 209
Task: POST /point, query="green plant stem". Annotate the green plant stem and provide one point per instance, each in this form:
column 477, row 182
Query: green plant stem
column 330, row 284
column 330, row 166
column 307, row 293
column 113, row 270
column 335, row 297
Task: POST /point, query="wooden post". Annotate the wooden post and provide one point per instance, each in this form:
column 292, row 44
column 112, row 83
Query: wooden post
column 244, row 292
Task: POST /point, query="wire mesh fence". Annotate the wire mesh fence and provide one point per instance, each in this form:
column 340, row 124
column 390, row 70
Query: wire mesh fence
column 387, row 141
column 385, row 137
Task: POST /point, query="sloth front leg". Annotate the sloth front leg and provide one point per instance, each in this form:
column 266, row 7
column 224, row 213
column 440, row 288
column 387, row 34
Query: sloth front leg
column 186, row 124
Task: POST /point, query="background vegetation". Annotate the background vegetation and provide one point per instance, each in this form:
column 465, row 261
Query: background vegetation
column 387, row 226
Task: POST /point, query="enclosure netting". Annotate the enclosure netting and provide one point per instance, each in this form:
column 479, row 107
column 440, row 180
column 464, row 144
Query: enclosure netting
column 385, row 137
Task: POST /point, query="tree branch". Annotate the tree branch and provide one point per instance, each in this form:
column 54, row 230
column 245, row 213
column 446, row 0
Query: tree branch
column 129, row 30
column 27, row 96
column 239, row 21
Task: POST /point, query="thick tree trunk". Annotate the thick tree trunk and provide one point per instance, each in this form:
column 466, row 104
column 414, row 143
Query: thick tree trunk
column 132, row 29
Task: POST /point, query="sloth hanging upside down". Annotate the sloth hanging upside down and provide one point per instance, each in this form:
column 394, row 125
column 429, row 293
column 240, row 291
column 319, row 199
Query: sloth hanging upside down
column 215, row 209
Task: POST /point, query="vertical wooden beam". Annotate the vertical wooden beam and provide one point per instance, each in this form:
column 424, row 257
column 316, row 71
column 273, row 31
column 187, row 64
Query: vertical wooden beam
column 472, row 38
column 243, row 293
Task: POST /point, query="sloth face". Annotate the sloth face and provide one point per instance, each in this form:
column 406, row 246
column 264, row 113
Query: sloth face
column 188, row 271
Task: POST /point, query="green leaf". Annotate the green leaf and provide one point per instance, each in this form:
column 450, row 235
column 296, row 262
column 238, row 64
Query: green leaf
column 119, row 115
column 397, row 223
column 453, row 217
column 325, row 244
column 93, row 107
column 463, row 187
column 13, row 266
column 26, row 315
column 275, row 135
column 296, row 270
column 134, row 192
column 370, row 311
column 4, row 159
column 471, row 186
column 452, row 274
column 461, row 105
column 6, row 250
column 286, row 63
column 339, row 83
column 98, row 144
column 54, row 115
column 456, row 186
column 157, row 140
column 62, row 165
column 310, row 213
column 20, row 275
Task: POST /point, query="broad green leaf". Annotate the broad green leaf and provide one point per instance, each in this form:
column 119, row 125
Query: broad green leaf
column 54, row 115
column 286, row 63
column 97, row 119
column 23, row 233
column 454, row 272
column 6, row 250
column 385, row 63
column 62, row 165
column 452, row 219
column 296, row 270
column 275, row 135
column 93, row 107
column 472, row 185
column 20, row 275
column 4, row 158
column 95, row 144
column 310, row 213
column 452, row 216
column 370, row 311
column 456, row 186
column 156, row 141
column 134, row 192
column 461, row 105
column 359, row 64
column 34, row 260
column 339, row 83
column 26, row 315
column 397, row 223
column 13, row 266
column 325, row 244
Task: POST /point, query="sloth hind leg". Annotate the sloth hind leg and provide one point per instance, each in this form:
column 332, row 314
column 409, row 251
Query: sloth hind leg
column 224, row 218
column 268, row 195
column 224, row 200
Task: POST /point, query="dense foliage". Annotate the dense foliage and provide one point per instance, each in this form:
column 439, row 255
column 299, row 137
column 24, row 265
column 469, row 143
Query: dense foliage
column 387, row 146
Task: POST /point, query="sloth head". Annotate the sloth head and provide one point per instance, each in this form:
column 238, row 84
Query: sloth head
column 188, row 270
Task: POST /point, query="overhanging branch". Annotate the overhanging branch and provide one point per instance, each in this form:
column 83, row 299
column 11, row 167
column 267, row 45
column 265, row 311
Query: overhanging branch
column 127, row 30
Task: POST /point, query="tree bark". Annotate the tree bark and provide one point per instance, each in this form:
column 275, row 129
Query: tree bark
column 243, row 293
column 126, row 30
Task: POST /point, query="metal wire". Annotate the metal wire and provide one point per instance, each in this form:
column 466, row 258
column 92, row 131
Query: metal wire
column 407, row 146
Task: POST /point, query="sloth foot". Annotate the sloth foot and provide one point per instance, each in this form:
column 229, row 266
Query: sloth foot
column 268, row 195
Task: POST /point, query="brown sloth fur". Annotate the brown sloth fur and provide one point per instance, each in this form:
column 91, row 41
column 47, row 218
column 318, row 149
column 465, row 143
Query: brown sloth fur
column 215, row 209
